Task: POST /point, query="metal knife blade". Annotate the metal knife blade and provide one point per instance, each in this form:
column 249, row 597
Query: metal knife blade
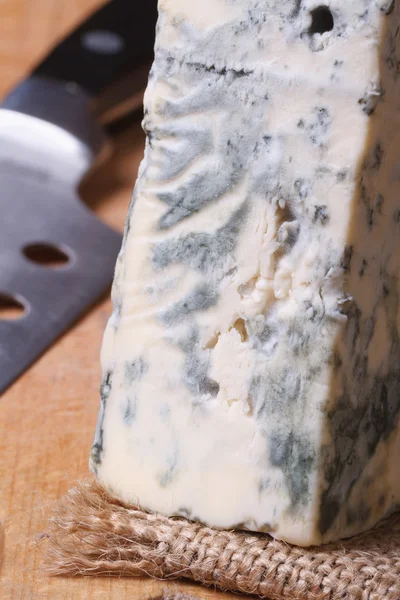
column 50, row 138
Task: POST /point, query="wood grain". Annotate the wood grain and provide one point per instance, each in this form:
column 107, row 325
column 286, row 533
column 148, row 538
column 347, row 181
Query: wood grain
column 47, row 418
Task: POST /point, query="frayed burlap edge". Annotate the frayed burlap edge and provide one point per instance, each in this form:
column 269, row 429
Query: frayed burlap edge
column 94, row 534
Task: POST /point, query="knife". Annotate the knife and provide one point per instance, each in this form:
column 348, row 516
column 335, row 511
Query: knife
column 56, row 257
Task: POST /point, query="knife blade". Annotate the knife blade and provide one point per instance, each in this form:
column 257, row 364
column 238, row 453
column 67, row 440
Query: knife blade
column 52, row 135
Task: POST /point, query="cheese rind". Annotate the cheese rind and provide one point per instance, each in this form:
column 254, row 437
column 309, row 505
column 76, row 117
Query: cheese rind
column 251, row 364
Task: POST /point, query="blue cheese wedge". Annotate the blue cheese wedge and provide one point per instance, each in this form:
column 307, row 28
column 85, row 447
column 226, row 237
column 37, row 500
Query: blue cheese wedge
column 252, row 361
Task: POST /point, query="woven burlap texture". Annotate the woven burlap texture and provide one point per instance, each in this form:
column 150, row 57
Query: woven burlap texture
column 168, row 596
column 91, row 533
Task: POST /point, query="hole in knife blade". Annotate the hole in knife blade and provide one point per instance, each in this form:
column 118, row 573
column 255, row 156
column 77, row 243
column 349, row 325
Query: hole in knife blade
column 103, row 42
column 11, row 308
column 46, row 255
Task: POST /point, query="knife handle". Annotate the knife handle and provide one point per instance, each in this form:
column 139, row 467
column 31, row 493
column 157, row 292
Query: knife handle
column 116, row 40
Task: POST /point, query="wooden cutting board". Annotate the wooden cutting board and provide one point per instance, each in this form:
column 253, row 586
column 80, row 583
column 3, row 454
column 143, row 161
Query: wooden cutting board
column 47, row 418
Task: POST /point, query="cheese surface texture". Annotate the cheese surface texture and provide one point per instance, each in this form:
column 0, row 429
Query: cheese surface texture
column 251, row 364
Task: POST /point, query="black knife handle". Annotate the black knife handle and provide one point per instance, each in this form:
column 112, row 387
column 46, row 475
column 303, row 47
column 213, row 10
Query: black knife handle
column 115, row 40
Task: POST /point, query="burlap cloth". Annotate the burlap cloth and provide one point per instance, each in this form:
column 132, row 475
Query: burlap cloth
column 168, row 596
column 93, row 534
